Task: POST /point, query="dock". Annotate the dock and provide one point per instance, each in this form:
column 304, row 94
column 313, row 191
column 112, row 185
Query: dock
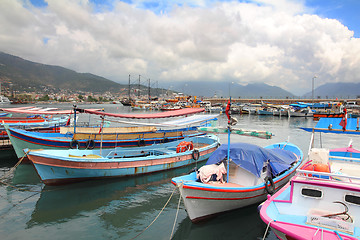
column 5, row 144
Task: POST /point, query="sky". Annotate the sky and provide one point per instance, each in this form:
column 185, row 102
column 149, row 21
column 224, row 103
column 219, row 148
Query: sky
column 284, row 43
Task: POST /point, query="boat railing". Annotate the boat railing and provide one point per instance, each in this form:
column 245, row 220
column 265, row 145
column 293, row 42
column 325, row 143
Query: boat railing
column 328, row 176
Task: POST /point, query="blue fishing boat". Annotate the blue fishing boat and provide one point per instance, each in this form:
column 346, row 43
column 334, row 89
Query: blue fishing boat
column 63, row 166
column 336, row 125
column 96, row 138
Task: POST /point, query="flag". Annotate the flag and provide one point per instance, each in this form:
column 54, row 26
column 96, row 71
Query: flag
column 343, row 121
column 227, row 110
column 68, row 121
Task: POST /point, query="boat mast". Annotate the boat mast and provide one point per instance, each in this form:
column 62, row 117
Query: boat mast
column 129, row 88
column 139, row 88
column 149, row 90
column 228, row 114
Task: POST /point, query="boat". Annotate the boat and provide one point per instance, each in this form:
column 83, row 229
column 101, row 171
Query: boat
column 56, row 167
column 254, row 172
column 301, row 112
column 109, row 137
column 251, row 172
column 41, row 119
column 333, row 125
column 322, row 201
column 319, row 115
column 113, row 137
column 265, row 111
column 4, row 100
column 239, row 131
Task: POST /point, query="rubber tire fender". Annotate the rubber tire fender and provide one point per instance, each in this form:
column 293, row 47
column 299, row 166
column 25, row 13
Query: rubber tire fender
column 196, row 154
column 90, row 144
column 74, row 144
column 269, row 189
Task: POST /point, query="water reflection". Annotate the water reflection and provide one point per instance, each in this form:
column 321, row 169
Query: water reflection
column 61, row 203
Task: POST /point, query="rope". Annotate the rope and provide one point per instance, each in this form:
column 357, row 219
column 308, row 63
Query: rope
column 177, row 211
column 15, row 166
column 17, row 188
column 267, row 229
column 157, row 215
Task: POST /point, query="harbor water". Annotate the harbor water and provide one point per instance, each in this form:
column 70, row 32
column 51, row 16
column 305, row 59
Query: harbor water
column 134, row 207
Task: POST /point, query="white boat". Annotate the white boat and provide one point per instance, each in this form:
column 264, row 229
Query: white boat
column 4, row 100
column 322, row 201
column 302, row 112
column 254, row 172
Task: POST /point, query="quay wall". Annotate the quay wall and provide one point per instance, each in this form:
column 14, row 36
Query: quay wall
column 276, row 101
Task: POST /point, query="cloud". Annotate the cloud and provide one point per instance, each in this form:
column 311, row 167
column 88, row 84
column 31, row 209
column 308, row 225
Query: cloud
column 259, row 41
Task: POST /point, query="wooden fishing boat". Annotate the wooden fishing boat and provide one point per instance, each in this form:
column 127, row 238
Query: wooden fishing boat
column 64, row 166
column 253, row 173
column 90, row 138
column 318, row 115
column 21, row 139
column 239, row 131
column 333, row 125
column 322, row 201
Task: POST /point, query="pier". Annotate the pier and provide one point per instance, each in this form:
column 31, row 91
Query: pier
column 276, row 101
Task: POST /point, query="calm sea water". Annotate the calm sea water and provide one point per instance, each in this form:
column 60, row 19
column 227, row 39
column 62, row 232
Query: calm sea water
column 124, row 208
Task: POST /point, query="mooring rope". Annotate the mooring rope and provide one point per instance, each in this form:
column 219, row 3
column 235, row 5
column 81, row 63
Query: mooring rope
column 157, row 215
column 177, row 212
column 15, row 166
column 17, row 188
column 267, row 229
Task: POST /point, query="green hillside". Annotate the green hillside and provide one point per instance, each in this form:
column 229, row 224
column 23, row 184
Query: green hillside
column 26, row 75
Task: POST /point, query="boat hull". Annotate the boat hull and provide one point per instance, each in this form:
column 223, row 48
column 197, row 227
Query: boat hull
column 60, row 169
column 56, row 141
column 203, row 203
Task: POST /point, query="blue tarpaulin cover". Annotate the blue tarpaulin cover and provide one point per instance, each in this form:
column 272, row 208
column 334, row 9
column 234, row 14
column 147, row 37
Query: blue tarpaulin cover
column 252, row 157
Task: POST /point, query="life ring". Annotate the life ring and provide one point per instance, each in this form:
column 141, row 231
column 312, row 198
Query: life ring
column 90, row 144
column 196, row 154
column 184, row 146
column 269, row 189
column 74, row 144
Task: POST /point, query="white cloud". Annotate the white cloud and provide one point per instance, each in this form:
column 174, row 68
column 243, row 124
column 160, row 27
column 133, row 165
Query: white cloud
column 211, row 41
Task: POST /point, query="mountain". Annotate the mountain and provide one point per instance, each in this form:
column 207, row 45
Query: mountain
column 25, row 75
column 223, row 89
column 336, row 90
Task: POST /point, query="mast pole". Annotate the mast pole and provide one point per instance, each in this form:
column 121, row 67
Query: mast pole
column 228, row 113
column 149, row 90
column 129, row 88
column 139, row 88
